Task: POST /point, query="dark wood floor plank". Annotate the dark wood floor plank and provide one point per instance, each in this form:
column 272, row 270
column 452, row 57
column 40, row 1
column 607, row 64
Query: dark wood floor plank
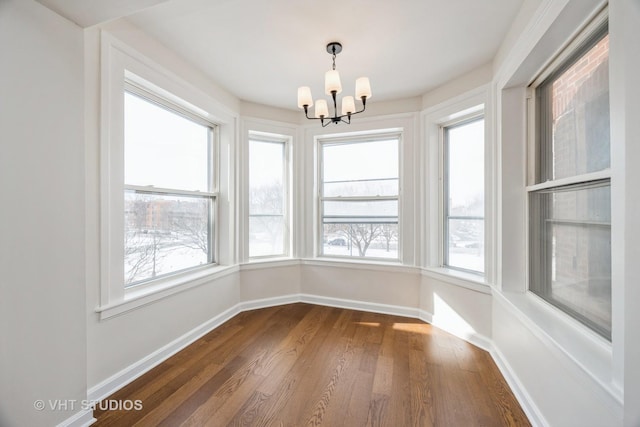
column 306, row 365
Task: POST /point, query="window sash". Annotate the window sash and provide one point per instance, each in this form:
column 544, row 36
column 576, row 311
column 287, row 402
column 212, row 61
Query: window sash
column 284, row 215
column 544, row 138
column 211, row 195
column 446, row 208
column 543, row 248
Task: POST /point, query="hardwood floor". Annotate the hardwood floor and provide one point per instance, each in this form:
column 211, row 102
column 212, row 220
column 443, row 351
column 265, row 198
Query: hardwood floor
column 306, row 365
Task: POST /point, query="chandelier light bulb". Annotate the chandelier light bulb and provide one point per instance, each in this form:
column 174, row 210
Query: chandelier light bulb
column 332, row 82
column 322, row 111
column 363, row 88
column 348, row 105
column 304, row 97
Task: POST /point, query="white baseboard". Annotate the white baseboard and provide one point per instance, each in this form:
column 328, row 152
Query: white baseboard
column 125, row 376
column 373, row 307
column 269, row 302
column 530, row 409
column 83, row 418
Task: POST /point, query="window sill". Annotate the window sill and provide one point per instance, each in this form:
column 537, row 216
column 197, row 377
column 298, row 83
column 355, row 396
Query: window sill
column 135, row 298
column 587, row 350
column 259, row 263
column 459, row 278
column 370, row 265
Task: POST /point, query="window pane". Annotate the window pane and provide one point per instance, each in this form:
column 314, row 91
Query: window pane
column 164, row 234
column 580, row 115
column 374, row 240
column 464, row 193
column 266, row 235
column 571, row 244
column 267, row 203
column 158, row 141
column 360, row 168
column 466, row 244
column 465, row 166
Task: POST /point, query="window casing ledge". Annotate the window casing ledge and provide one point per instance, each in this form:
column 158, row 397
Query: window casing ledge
column 136, row 297
column 474, row 282
column 561, row 333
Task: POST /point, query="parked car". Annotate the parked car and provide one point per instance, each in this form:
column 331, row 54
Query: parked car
column 338, row 241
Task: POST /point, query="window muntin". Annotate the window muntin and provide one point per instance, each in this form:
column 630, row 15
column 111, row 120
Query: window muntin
column 168, row 197
column 464, row 195
column 359, row 197
column 569, row 208
column 267, row 198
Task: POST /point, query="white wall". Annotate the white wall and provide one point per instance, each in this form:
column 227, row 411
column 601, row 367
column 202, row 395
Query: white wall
column 462, row 311
column 42, row 326
column 266, row 280
column 368, row 284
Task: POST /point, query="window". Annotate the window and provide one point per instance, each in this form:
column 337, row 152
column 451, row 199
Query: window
column 268, row 224
column 463, row 192
column 570, row 201
column 168, row 188
column 359, row 196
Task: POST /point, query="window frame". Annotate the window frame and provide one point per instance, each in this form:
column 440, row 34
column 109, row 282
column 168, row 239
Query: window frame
column 146, row 94
column 540, row 146
column 444, row 213
column 266, row 137
column 356, row 137
column 118, row 63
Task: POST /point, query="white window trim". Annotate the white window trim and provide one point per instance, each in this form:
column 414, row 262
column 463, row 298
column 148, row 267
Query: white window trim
column 474, row 103
column 120, row 63
column 287, row 141
column 370, row 135
column 580, row 330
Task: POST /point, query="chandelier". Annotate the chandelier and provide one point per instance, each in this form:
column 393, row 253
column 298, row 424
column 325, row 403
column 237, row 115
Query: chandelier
column 333, row 87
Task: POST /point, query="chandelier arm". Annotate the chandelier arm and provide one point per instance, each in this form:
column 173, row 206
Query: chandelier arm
column 364, row 107
column 306, row 114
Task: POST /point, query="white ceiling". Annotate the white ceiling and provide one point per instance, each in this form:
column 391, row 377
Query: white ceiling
column 261, row 51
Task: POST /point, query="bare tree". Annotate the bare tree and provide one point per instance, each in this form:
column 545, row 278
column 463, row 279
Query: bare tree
column 389, row 233
column 142, row 242
column 190, row 223
column 265, row 204
column 360, row 235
